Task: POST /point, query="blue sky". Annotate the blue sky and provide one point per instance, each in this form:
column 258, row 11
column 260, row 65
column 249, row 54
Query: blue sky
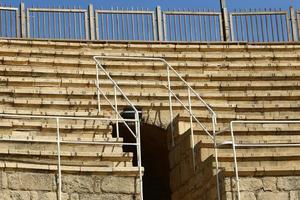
column 165, row 4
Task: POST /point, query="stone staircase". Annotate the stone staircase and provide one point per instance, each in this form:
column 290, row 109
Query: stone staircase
column 239, row 81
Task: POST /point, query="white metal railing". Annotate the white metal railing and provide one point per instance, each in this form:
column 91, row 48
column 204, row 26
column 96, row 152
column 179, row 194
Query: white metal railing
column 171, row 93
column 136, row 134
column 234, row 144
column 59, row 140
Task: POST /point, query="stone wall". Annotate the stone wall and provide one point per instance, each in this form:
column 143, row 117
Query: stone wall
column 265, row 188
column 42, row 186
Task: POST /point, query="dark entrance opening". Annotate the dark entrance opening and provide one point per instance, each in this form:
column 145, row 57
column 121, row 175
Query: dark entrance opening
column 154, row 159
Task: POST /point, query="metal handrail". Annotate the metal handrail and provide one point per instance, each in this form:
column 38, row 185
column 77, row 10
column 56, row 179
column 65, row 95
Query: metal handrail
column 193, row 118
column 234, row 145
column 114, row 106
column 59, row 140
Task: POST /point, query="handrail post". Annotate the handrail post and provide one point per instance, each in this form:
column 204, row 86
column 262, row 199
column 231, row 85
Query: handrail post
column 293, row 23
column 139, row 152
column 159, row 23
column 58, row 159
column 22, row 19
column 192, row 130
column 225, row 20
column 97, row 88
column 91, row 22
column 170, row 106
column 116, row 107
column 214, row 122
column 235, row 162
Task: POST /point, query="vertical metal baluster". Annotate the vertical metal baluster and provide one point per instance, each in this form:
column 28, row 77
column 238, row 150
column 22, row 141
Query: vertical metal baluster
column 59, row 24
column 190, row 26
column 247, row 27
column 267, row 26
column 96, row 15
column 80, row 26
column 236, row 26
column 107, row 27
column 205, row 28
column 18, row 34
column 112, row 24
column 210, row 25
column 6, row 23
column 262, row 28
column 200, row 27
column 117, row 26
column 277, row 27
column 215, row 25
column 257, row 27
column 70, row 23
column 242, row 25
column 195, row 27
column 49, row 24
column 180, row 28
column 44, row 25
column 65, row 24
column 138, row 26
column 132, row 23
column 252, row 27
column 127, row 25
column 289, row 35
column 143, row 26
column 54, row 24
column 168, row 33
column 33, row 24
column 1, row 13
column 11, row 20
column 123, row 28
column 75, row 23
column 175, row 26
column 86, row 25
column 148, row 19
column 185, row 27
column 102, row 25
column 38, row 24
column 282, row 29
column 272, row 27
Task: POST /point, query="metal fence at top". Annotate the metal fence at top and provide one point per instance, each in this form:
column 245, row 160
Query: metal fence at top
column 150, row 25
column 57, row 23
column 9, row 21
column 192, row 26
column 125, row 25
column 260, row 26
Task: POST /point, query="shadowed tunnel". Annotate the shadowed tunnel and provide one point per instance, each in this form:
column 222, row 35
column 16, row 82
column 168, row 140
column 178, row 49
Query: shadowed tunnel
column 154, row 160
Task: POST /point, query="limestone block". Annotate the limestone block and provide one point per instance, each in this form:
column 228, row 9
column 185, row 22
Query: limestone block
column 53, row 196
column 294, row 195
column 269, row 183
column 126, row 185
column 244, row 196
column 14, row 195
column 31, row 181
column 80, row 184
column 98, row 196
column 288, row 183
column 74, row 196
column 250, row 184
column 273, row 196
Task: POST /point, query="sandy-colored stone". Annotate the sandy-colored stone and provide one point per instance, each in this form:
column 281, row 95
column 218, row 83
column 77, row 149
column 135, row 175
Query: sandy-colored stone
column 14, row 195
column 288, row 183
column 294, row 195
column 79, row 184
column 127, row 185
column 273, row 196
column 269, row 183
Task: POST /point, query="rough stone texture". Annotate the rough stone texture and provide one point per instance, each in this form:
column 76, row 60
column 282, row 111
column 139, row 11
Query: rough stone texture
column 80, row 184
column 31, row 181
column 119, row 185
column 244, row 196
column 14, row 195
column 99, row 196
column 251, row 184
column 269, row 183
column 74, row 196
column 294, row 195
column 273, row 196
column 53, row 196
column 288, row 183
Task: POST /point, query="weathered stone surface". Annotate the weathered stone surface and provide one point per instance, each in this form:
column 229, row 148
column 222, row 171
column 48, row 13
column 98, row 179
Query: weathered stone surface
column 244, row 196
column 53, row 196
column 294, row 195
column 79, row 184
column 269, row 183
column 289, row 183
column 34, row 195
column 273, row 196
column 99, row 196
column 14, row 195
column 250, row 184
column 4, row 183
column 30, row 181
column 112, row 184
column 74, row 196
